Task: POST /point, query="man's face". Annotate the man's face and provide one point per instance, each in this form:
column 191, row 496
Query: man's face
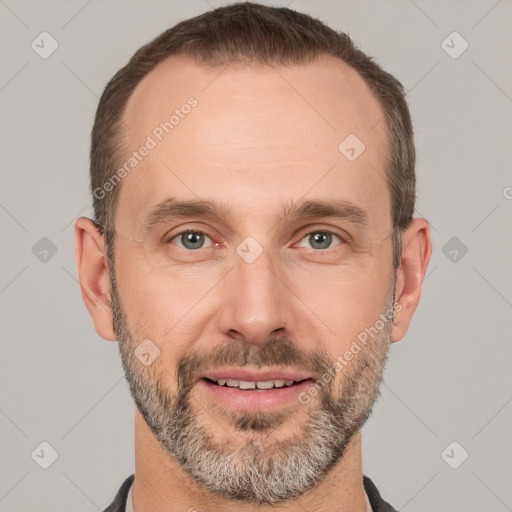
column 285, row 303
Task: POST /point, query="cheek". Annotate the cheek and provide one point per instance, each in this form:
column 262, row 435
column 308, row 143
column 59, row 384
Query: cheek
column 167, row 293
column 342, row 305
column 171, row 310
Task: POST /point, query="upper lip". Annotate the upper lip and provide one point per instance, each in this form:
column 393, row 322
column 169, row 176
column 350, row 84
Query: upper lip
column 248, row 375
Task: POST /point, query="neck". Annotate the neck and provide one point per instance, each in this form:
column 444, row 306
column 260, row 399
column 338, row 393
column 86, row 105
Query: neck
column 161, row 484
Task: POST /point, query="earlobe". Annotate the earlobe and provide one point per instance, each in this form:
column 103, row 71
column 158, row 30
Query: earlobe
column 93, row 276
column 416, row 252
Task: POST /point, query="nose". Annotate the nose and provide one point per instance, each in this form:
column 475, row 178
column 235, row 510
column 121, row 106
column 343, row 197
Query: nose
column 256, row 301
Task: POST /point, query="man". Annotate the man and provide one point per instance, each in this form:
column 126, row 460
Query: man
column 254, row 252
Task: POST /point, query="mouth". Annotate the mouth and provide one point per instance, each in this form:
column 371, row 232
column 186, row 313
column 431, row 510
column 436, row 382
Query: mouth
column 247, row 391
column 247, row 385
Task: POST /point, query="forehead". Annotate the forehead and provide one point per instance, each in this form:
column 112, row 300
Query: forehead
column 255, row 131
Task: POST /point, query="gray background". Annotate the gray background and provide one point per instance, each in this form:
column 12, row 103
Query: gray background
column 448, row 380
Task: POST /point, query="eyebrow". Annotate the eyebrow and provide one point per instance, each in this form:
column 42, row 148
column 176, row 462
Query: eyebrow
column 172, row 208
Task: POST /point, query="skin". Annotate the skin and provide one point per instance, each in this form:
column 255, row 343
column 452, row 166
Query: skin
column 259, row 138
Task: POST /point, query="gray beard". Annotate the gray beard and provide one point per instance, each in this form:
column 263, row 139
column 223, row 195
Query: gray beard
column 260, row 470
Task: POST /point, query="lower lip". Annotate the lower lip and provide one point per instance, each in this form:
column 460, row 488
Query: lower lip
column 256, row 399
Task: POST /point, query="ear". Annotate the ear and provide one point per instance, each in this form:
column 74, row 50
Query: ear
column 91, row 262
column 416, row 251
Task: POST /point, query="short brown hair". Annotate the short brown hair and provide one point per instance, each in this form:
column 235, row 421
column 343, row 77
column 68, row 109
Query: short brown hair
column 250, row 32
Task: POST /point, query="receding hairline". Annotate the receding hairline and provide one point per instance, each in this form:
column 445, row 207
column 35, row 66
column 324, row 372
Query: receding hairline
column 163, row 71
column 214, row 69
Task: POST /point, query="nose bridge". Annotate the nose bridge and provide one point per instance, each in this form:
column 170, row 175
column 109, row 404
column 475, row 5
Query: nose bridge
column 256, row 300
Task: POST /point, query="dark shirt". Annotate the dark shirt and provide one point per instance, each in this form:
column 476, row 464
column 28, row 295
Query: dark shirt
column 377, row 503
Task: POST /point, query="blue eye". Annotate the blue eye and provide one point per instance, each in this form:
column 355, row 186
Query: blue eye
column 320, row 240
column 191, row 239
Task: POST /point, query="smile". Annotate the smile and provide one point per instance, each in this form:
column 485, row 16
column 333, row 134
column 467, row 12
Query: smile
column 260, row 385
column 254, row 396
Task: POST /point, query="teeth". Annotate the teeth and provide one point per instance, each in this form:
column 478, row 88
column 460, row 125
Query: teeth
column 244, row 384
column 269, row 384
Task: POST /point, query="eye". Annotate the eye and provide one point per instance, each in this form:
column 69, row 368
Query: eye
column 320, row 240
column 191, row 240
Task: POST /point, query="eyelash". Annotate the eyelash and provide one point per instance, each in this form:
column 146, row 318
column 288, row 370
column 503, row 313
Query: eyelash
column 199, row 232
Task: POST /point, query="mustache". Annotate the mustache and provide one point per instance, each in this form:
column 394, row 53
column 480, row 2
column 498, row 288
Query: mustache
column 276, row 352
